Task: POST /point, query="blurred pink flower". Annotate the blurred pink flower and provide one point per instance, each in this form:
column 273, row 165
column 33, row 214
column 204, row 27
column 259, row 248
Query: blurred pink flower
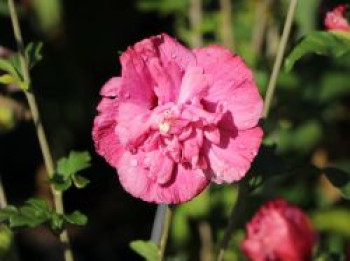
column 177, row 119
column 335, row 19
column 279, row 231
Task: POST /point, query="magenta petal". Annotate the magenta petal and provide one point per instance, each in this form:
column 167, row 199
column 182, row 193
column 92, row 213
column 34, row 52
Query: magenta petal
column 111, row 88
column 194, row 84
column 135, row 74
column 232, row 85
column 184, row 185
column 232, row 159
column 167, row 80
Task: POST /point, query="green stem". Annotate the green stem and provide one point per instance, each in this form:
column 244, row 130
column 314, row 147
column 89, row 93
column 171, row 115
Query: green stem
column 279, row 57
column 57, row 196
column 234, row 216
column 165, row 233
column 161, row 226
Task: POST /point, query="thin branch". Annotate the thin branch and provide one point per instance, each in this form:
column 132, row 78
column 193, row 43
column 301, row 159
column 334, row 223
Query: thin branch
column 278, row 61
column 161, row 227
column 226, row 27
column 195, row 18
column 38, row 124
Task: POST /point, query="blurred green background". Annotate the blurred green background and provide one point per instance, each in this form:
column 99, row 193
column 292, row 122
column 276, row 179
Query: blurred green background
column 308, row 124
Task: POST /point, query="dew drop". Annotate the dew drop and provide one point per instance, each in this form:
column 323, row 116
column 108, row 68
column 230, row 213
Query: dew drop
column 242, row 147
column 126, row 95
column 173, row 56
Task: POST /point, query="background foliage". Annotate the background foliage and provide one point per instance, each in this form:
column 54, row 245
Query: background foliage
column 306, row 134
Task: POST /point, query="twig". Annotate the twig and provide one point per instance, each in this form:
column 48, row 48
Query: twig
column 226, row 27
column 195, row 18
column 279, row 57
column 38, row 124
column 234, row 216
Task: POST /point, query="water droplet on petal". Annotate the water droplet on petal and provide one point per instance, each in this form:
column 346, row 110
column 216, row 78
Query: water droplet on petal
column 126, row 95
column 242, row 147
column 173, row 56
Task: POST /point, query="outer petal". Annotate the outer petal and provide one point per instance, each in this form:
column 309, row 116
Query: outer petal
column 184, row 185
column 232, row 84
column 105, row 139
column 231, row 160
column 136, row 84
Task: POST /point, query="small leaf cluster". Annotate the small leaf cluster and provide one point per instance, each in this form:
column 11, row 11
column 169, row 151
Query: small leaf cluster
column 35, row 212
column 12, row 68
column 67, row 171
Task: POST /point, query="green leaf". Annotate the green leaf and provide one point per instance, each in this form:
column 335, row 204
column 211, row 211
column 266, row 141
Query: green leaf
column 335, row 220
column 57, row 222
column 67, row 169
column 340, row 179
column 60, row 183
column 146, row 249
column 7, row 212
column 333, row 44
column 75, row 162
column 33, row 53
column 76, row 218
column 80, row 182
column 7, row 79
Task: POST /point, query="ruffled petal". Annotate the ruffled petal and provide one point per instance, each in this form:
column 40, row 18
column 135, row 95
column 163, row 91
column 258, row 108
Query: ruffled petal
column 184, row 185
column 194, row 85
column 136, row 83
column 106, row 142
column 231, row 160
column 167, row 80
column 133, row 124
column 232, row 85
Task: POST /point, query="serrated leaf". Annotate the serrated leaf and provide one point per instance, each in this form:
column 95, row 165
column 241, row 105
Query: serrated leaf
column 146, row 249
column 76, row 218
column 80, row 182
column 340, row 179
column 75, row 162
column 333, row 44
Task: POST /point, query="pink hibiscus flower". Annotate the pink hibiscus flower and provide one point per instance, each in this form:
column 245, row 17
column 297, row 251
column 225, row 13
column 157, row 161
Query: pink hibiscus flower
column 335, row 19
column 177, row 119
column 279, row 231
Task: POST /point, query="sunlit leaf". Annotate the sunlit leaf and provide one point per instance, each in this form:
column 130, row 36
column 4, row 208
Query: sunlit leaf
column 333, row 44
column 146, row 249
column 76, row 218
column 334, row 220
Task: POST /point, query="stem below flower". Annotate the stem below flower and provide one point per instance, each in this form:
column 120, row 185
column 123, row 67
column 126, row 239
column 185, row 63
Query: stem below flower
column 232, row 222
column 57, row 196
column 279, row 57
column 161, row 227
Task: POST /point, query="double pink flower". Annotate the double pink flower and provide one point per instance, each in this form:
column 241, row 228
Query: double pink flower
column 177, row 119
